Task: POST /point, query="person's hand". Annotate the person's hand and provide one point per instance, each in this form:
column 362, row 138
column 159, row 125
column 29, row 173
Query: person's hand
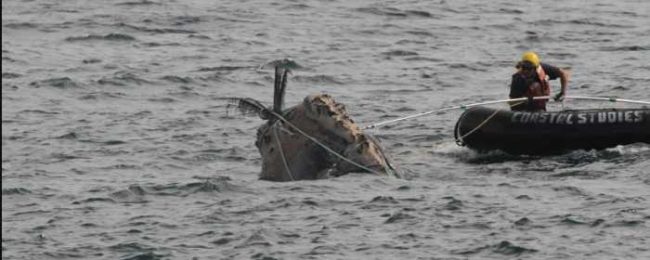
column 559, row 96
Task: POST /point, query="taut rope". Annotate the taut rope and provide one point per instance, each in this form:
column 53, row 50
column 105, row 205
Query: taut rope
column 281, row 118
column 611, row 99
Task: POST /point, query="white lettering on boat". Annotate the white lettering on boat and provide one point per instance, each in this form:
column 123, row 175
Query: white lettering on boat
column 543, row 118
column 602, row 117
column 639, row 116
column 569, row 119
column 580, row 118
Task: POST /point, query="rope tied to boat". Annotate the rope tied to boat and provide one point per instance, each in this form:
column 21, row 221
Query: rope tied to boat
column 524, row 99
column 459, row 138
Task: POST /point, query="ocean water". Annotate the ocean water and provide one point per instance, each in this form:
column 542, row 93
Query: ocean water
column 118, row 141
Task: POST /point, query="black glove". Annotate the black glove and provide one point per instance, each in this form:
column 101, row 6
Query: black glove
column 559, row 96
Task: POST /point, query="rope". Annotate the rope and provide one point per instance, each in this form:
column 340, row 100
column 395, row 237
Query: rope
column 481, row 124
column 447, row 109
column 459, row 140
column 284, row 159
column 611, row 99
column 281, row 118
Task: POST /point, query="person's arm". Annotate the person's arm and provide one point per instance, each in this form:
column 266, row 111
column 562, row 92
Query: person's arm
column 564, row 81
column 554, row 73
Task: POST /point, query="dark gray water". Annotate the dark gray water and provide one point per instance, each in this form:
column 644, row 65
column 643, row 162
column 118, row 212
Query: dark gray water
column 117, row 142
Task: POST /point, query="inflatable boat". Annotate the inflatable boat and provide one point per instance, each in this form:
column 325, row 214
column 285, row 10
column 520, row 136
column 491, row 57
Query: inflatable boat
column 539, row 133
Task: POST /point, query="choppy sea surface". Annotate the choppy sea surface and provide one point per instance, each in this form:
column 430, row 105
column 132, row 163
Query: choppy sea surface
column 118, row 142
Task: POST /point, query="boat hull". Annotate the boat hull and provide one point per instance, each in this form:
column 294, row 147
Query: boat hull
column 538, row 133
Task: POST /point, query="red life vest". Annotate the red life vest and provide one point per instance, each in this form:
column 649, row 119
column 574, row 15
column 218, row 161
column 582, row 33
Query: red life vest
column 538, row 88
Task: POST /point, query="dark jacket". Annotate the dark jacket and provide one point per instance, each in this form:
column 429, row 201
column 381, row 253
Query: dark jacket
column 521, row 84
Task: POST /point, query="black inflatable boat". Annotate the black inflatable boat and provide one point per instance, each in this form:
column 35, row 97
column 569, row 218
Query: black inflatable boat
column 538, row 133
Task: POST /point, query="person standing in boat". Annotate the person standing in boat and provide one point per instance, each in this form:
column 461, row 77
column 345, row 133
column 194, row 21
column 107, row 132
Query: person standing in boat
column 532, row 80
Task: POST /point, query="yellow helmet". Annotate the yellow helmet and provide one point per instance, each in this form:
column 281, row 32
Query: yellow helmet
column 531, row 57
